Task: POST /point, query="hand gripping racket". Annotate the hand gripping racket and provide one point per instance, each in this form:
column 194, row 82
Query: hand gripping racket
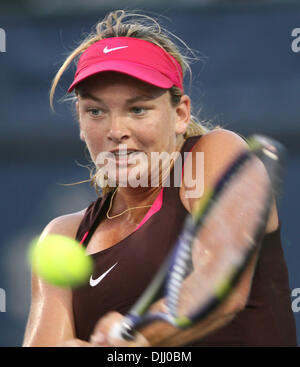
column 216, row 242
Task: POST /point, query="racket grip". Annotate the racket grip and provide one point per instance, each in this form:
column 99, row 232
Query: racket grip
column 128, row 329
column 133, row 323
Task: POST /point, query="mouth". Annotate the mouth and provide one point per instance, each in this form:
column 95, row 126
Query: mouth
column 124, row 153
column 125, row 156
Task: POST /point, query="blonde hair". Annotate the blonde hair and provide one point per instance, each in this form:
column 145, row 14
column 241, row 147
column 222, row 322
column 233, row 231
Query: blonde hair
column 124, row 24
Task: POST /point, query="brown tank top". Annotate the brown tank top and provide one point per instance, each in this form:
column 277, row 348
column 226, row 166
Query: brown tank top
column 123, row 271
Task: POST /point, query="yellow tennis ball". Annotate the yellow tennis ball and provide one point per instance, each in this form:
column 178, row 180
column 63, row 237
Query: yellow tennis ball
column 60, row 261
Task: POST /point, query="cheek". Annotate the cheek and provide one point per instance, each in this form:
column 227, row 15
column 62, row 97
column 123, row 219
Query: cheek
column 164, row 122
column 149, row 134
column 167, row 127
column 94, row 141
column 91, row 148
column 159, row 135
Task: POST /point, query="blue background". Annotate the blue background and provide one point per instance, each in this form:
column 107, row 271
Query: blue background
column 248, row 83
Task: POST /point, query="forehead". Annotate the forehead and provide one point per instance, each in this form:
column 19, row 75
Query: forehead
column 122, row 83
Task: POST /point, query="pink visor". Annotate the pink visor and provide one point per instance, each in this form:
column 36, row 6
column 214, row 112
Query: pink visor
column 132, row 56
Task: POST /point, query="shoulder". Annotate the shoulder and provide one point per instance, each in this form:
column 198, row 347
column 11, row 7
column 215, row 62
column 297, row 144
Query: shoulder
column 218, row 147
column 65, row 225
column 220, row 141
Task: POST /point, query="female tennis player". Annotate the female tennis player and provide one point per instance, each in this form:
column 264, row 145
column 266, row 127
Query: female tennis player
column 130, row 103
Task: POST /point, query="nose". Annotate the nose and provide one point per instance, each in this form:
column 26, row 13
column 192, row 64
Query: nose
column 118, row 131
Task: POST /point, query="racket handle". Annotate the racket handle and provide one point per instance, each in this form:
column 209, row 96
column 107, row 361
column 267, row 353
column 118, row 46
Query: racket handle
column 133, row 323
column 128, row 327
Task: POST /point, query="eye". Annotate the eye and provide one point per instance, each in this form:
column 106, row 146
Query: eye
column 138, row 110
column 95, row 112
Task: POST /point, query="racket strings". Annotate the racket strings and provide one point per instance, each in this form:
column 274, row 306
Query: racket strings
column 182, row 268
column 224, row 239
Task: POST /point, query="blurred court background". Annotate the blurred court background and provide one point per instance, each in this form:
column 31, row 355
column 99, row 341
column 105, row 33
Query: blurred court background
column 248, row 83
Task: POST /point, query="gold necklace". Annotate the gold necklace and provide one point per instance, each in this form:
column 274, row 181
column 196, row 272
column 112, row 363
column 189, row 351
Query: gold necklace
column 118, row 215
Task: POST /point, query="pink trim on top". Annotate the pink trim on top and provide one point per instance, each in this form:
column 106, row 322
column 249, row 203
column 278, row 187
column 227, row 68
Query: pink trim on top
column 84, row 237
column 156, row 206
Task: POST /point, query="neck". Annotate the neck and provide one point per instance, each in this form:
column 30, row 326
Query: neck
column 130, row 197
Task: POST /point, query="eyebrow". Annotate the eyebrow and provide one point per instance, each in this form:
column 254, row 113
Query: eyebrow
column 87, row 95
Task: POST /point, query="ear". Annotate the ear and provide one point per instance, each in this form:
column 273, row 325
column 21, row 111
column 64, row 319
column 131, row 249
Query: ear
column 183, row 115
column 81, row 135
column 77, row 109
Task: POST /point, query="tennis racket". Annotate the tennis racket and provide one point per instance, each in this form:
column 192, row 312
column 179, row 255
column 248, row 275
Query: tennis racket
column 216, row 242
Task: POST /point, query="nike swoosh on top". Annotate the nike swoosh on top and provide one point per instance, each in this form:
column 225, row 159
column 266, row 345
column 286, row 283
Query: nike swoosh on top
column 107, row 50
column 94, row 282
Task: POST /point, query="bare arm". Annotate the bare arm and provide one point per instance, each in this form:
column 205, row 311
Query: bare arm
column 50, row 320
